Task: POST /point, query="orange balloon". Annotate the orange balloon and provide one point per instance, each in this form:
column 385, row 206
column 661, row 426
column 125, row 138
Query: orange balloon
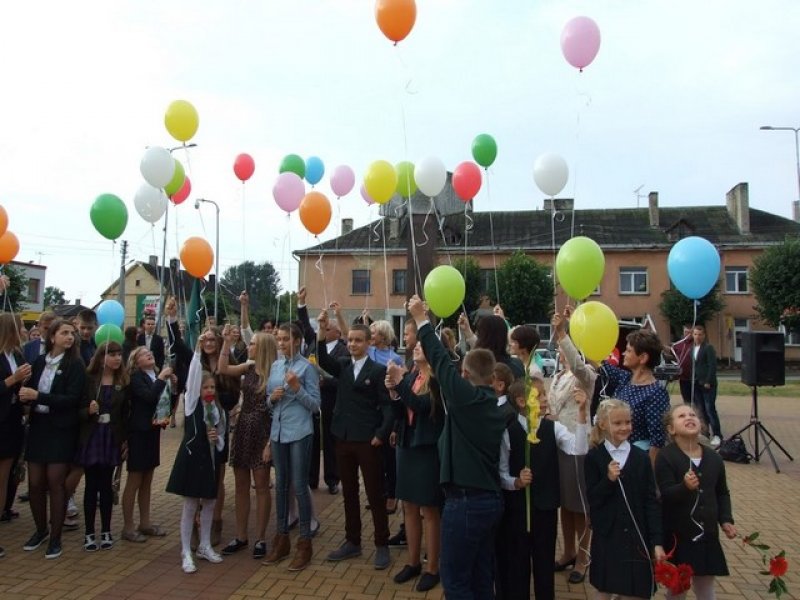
column 3, row 220
column 197, row 257
column 315, row 212
column 9, row 247
column 396, row 18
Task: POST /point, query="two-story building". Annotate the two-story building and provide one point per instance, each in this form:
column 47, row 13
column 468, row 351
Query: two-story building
column 34, row 294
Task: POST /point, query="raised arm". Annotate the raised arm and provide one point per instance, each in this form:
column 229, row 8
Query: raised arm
column 223, row 362
column 244, row 305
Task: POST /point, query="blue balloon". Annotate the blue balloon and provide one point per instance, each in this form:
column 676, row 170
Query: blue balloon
column 315, row 169
column 110, row 311
column 693, row 266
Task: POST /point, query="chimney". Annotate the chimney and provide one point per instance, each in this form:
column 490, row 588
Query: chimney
column 652, row 202
column 153, row 260
column 347, row 226
column 738, row 203
column 77, row 301
column 796, row 210
column 394, row 228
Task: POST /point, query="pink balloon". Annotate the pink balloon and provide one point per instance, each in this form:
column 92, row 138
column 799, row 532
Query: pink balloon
column 288, row 191
column 183, row 193
column 366, row 196
column 467, row 180
column 244, row 166
column 342, row 180
column 580, row 41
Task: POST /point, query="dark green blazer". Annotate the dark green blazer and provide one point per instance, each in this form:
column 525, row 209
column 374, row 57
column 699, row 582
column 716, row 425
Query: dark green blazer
column 425, row 429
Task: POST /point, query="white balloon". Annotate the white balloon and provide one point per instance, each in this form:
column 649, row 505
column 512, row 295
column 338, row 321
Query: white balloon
column 150, row 203
column 157, row 166
column 430, row 175
column 550, row 172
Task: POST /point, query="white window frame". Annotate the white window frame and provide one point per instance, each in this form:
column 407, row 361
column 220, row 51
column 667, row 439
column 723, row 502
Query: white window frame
column 737, row 271
column 630, row 273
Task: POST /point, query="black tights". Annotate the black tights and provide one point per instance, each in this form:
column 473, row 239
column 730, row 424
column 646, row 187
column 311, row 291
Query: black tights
column 98, row 483
column 44, row 479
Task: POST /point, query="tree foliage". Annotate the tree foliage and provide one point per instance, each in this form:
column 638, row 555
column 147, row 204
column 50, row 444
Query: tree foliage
column 471, row 270
column 262, row 283
column 775, row 280
column 14, row 296
column 526, row 289
column 53, row 296
column 678, row 309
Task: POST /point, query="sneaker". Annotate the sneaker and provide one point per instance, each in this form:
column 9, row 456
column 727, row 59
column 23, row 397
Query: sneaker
column 53, row 549
column 407, row 573
column 428, row 581
column 36, row 540
column 333, row 489
column 715, row 441
column 72, row 509
column 70, row 524
column 382, row 557
column 106, row 540
column 187, row 563
column 208, row 553
column 400, row 538
column 90, row 545
column 234, row 546
column 259, row 549
column 345, row 551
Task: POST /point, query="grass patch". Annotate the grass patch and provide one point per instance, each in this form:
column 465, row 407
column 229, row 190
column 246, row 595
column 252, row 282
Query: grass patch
column 737, row 388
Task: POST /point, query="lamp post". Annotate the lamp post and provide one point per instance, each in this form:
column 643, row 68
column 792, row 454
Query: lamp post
column 216, row 255
column 796, row 203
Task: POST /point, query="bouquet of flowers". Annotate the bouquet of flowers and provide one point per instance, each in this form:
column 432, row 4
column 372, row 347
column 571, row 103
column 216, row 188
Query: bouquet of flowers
column 676, row 578
column 777, row 566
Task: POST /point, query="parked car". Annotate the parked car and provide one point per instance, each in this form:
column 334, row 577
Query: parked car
column 547, row 358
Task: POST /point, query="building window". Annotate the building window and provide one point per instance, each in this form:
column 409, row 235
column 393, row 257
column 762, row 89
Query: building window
column 487, row 281
column 399, row 281
column 633, row 280
column 361, row 286
column 398, row 324
column 791, row 337
column 33, row 291
column 545, row 331
column 137, row 283
column 596, row 291
column 736, row 280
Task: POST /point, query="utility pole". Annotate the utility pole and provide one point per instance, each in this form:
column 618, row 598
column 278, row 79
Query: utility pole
column 121, row 286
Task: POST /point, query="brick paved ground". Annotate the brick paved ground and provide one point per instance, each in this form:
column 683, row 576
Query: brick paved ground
column 763, row 501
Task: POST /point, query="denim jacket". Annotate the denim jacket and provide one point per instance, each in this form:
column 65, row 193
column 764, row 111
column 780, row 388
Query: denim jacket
column 292, row 415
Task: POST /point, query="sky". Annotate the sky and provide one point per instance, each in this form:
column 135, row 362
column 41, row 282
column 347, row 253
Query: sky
column 672, row 103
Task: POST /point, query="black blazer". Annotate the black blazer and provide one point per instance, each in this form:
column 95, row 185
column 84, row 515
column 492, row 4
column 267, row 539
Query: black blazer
column 607, row 507
column 425, row 430
column 329, row 385
column 120, row 410
column 705, row 365
column 64, row 395
column 144, row 394
column 156, row 347
column 363, row 408
column 180, row 353
column 7, row 394
column 713, row 504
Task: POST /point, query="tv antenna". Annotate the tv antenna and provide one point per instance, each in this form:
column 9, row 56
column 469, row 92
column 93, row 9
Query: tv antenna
column 638, row 195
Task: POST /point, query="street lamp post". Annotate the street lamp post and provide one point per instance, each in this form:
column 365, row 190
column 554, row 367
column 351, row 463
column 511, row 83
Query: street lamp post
column 216, row 255
column 796, row 203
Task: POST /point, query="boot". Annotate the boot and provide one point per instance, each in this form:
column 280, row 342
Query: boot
column 216, row 532
column 302, row 555
column 280, row 549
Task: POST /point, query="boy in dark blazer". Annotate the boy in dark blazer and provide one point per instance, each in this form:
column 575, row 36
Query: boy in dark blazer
column 705, row 383
column 153, row 341
column 362, row 420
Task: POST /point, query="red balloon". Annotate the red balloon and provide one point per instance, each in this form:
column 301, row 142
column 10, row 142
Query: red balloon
column 467, row 180
column 183, row 193
column 244, row 166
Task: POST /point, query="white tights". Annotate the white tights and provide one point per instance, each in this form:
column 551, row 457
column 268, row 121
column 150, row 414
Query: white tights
column 187, row 522
column 702, row 586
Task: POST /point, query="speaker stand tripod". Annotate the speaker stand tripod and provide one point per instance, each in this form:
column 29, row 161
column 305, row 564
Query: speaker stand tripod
column 762, row 431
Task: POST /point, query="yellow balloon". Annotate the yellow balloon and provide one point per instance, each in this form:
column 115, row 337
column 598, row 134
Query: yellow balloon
column 381, row 181
column 594, row 329
column 181, row 120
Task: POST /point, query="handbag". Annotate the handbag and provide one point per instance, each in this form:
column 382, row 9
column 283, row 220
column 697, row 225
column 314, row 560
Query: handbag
column 734, row 450
column 164, row 407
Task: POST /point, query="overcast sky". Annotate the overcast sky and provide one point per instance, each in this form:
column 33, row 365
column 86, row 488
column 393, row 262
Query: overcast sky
column 672, row 103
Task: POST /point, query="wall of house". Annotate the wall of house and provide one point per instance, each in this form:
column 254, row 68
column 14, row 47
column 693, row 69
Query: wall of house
column 139, row 284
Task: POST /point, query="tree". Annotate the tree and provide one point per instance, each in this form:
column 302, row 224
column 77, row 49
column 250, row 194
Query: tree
column 14, row 297
column 678, row 309
column 526, row 289
column 262, row 283
column 775, row 279
column 53, row 296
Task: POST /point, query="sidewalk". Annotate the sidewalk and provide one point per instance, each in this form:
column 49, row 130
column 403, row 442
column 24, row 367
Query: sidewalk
column 763, row 501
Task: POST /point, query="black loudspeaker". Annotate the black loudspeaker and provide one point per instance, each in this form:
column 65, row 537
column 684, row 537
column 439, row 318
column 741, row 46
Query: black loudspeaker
column 763, row 358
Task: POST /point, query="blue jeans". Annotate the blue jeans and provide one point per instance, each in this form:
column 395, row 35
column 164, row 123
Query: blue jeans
column 291, row 462
column 707, row 399
column 468, row 531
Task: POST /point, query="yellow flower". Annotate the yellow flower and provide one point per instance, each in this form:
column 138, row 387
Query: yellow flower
column 533, row 414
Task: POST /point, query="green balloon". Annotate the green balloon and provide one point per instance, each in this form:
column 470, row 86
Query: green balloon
column 484, row 150
column 406, row 185
column 579, row 267
column 177, row 180
column 444, row 290
column 294, row 164
column 108, row 332
column 109, row 216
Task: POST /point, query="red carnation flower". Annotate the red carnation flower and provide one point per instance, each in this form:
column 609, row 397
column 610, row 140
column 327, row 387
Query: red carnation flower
column 778, row 566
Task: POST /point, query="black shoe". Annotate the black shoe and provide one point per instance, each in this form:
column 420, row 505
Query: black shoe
column 259, row 549
column 24, row 497
column 407, row 573
column 8, row 515
column 53, row 549
column 400, row 538
column 428, row 581
column 235, row 545
column 577, row 576
column 333, row 489
column 36, row 540
column 559, row 567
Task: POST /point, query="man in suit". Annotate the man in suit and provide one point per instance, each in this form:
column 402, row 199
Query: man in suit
column 362, row 420
column 152, row 341
column 32, row 349
column 705, row 382
column 87, row 325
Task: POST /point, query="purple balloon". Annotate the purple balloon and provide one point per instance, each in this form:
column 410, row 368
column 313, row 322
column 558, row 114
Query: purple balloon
column 342, row 180
column 288, row 191
column 580, row 41
column 366, row 196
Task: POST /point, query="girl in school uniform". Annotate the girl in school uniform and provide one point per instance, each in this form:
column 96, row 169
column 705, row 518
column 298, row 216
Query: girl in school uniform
column 198, row 460
column 102, row 440
column 695, row 501
column 52, row 393
column 624, row 512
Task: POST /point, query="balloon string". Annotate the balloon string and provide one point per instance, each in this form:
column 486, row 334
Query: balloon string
column 491, row 233
column 244, row 235
column 415, row 271
column 385, row 266
column 202, row 308
column 440, row 221
column 694, row 323
column 321, row 270
column 553, row 248
column 424, row 225
column 369, row 258
column 336, row 241
column 188, row 159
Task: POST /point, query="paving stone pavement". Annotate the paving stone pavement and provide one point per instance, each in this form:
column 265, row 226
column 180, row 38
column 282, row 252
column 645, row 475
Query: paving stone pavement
column 762, row 500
